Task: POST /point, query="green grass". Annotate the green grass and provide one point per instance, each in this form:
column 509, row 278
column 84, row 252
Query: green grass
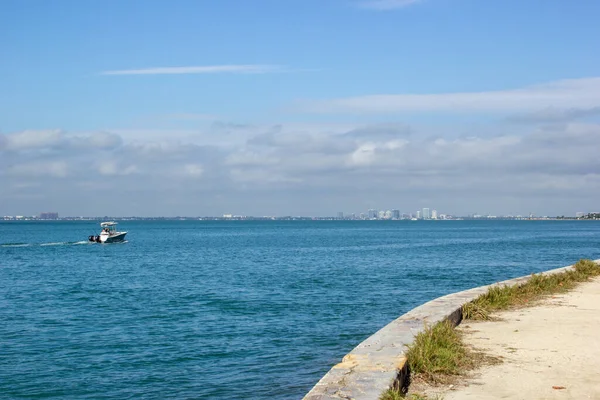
column 437, row 355
column 438, row 352
column 506, row 297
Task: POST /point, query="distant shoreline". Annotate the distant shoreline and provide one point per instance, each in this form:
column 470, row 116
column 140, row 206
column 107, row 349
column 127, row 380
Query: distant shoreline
column 71, row 219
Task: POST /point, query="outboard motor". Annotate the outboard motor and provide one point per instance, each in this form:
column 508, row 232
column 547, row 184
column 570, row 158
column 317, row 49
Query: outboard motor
column 91, row 238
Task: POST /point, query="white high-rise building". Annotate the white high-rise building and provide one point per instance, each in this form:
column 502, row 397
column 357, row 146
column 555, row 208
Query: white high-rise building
column 426, row 213
column 434, row 214
column 418, row 214
column 381, row 215
column 388, row 214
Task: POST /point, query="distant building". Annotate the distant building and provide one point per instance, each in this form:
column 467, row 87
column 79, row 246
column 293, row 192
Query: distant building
column 372, row 214
column 418, row 214
column 363, row 216
column 426, row 213
column 434, row 214
column 49, row 215
column 388, row 214
column 396, row 214
column 381, row 215
column 227, row 215
column 340, row 215
column 592, row 215
column 579, row 214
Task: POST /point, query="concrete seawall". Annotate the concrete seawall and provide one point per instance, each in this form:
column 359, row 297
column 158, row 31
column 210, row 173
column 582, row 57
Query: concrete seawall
column 379, row 362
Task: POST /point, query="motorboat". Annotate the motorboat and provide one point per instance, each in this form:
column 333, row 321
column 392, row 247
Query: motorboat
column 109, row 234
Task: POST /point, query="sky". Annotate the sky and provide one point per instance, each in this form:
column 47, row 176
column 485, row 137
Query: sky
column 299, row 107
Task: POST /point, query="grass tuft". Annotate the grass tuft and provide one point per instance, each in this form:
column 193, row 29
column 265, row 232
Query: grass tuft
column 438, row 352
column 475, row 311
column 505, row 297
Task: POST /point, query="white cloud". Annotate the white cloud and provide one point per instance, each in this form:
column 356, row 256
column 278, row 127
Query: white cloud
column 554, row 115
column 45, row 140
column 573, row 93
column 55, row 169
column 364, row 154
column 246, row 157
column 99, row 140
column 27, row 140
column 112, row 168
column 388, row 4
column 194, row 170
column 208, row 69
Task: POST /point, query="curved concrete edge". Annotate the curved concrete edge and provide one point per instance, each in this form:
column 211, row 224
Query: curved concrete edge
column 379, row 362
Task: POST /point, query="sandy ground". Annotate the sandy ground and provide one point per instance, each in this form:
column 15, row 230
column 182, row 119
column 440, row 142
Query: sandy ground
column 550, row 351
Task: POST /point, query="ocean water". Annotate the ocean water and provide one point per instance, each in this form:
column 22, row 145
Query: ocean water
column 235, row 310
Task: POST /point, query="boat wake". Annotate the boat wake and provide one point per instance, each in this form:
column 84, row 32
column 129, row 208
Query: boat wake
column 44, row 244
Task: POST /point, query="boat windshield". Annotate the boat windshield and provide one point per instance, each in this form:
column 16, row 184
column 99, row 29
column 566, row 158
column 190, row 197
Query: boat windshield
column 109, row 227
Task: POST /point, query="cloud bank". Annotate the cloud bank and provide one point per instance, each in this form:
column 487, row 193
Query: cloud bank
column 551, row 114
column 303, row 169
column 564, row 94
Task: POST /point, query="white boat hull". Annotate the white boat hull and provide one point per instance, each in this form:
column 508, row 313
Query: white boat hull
column 114, row 238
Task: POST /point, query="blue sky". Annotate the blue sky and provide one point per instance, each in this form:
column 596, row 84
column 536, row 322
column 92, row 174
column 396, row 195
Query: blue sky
column 223, row 73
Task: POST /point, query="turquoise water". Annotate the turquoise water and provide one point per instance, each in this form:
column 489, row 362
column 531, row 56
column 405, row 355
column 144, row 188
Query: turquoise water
column 228, row 310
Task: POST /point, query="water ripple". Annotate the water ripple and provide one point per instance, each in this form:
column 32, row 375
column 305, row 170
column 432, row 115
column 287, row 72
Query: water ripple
column 226, row 310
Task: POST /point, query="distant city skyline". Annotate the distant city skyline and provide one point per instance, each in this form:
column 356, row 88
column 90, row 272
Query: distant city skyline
column 427, row 213
column 299, row 107
column 371, row 214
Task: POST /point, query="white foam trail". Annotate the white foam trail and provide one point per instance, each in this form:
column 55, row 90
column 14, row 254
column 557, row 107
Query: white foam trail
column 49, row 244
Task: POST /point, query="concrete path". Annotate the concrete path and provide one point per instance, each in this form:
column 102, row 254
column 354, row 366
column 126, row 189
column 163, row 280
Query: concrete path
column 550, row 351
